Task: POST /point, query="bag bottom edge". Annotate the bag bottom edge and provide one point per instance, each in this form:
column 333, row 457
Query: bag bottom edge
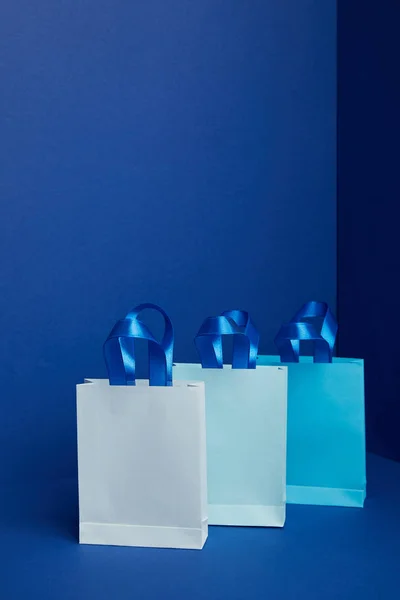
column 115, row 534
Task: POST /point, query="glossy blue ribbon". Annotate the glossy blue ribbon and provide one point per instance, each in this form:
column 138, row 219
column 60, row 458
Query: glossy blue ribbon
column 245, row 343
column 291, row 334
column 119, row 350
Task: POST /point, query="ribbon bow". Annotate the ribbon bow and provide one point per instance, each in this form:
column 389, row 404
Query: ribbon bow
column 245, row 344
column 291, row 334
column 119, row 350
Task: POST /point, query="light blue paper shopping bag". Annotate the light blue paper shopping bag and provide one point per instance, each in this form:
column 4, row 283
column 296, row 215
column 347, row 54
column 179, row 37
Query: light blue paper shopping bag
column 246, row 420
column 326, row 423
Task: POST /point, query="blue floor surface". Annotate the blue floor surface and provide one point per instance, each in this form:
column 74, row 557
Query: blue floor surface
column 322, row 553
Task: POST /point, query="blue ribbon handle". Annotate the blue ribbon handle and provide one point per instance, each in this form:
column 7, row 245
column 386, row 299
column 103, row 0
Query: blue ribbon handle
column 291, row 334
column 245, row 343
column 119, row 350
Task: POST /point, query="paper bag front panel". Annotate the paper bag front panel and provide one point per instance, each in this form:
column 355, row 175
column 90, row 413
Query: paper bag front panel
column 326, row 431
column 246, row 443
column 142, row 464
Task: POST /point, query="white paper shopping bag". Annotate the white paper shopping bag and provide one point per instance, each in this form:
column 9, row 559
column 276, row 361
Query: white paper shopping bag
column 141, row 449
column 246, row 412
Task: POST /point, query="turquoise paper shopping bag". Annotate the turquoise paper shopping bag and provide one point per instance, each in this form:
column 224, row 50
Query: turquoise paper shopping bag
column 326, row 423
column 246, row 420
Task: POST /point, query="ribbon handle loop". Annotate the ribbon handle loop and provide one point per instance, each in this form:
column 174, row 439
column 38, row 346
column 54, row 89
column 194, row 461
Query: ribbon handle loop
column 245, row 343
column 119, row 349
column 291, row 334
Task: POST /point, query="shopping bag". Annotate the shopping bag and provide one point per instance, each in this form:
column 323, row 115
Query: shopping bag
column 141, row 448
column 246, row 425
column 326, row 423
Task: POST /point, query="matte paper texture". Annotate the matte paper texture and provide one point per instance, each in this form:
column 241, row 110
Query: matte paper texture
column 246, row 443
column 326, row 431
column 142, row 464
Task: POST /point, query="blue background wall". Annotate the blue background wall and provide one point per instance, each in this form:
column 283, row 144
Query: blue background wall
column 368, row 207
column 175, row 152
